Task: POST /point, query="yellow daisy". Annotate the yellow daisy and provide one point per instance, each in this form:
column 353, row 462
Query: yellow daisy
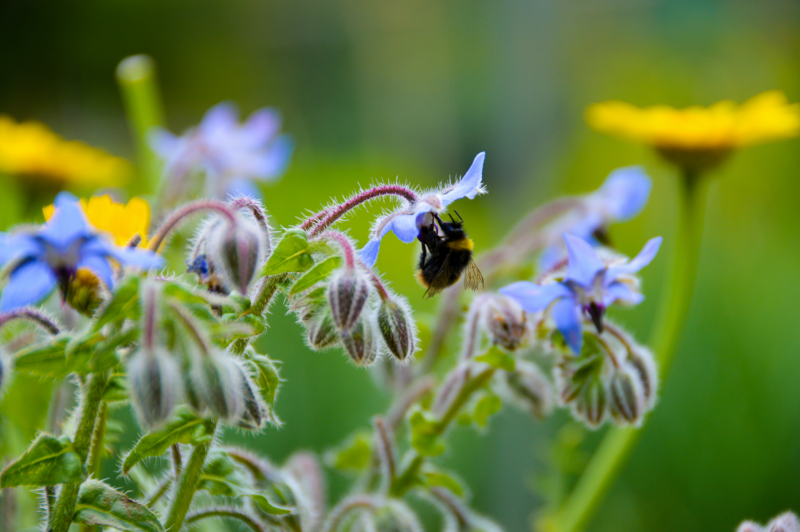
column 697, row 138
column 31, row 149
column 121, row 221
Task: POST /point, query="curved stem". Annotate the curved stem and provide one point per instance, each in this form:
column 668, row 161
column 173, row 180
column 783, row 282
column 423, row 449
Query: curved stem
column 234, row 513
column 259, row 214
column 175, row 218
column 93, row 391
column 334, row 213
column 618, row 443
column 345, row 507
column 35, row 315
column 347, row 248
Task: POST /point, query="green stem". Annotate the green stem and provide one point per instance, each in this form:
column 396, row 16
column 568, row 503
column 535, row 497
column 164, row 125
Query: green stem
column 98, row 440
column 618, row 442
column 136, row 76
column 187, row 484
column 93, row 391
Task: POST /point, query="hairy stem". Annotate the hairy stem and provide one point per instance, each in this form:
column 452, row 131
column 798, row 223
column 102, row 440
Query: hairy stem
column 334, row 213
column 178, row 215
column 618, row 443
column 92, row 396
column 260, row 216
column 187, row 484
column 347, row 248
column 345, row 507
column 98, row 440
column 35, row 315
column 226, row 511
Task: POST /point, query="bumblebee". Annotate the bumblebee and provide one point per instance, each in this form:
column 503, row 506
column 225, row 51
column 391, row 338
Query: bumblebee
column 446, row 257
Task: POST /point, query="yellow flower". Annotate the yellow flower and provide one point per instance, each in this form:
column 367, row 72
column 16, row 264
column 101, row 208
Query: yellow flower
column 120, row 221
column 699, row 137
column 31, row 149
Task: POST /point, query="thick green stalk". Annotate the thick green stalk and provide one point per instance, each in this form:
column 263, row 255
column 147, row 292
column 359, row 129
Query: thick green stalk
column 188, row 482
column 136, row 76
column 92, row 396
column 618, row 442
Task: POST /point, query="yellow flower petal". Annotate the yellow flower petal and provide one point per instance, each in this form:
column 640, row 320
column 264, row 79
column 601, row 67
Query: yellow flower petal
column 120, row 221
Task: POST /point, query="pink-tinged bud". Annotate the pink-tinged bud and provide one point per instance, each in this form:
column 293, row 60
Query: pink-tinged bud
column 361, row 343
column 528, row 388
column 347, row 294
column 397, row 328
column 304, row 472
column 505, row 321
column 626, row 394
column 321, row 332
column 749, row 526
column 154, row 380
column 237, row 251
column 217, row 382
column 786, row 522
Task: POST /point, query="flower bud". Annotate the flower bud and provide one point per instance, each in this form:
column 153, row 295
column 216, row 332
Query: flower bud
column 643, row 362
column 397, row 328
column 154, row 379
column 200, row 261
column 626, row 394
column 396, row 516
column 591, row 403
column 255, row 411
column 237, row 252
column 786, row 522
column 321, row 332
column 347, row 295
column 528, row 388
column 361, row 343
column 504, row 321
column 217, row 382
column 85, row 292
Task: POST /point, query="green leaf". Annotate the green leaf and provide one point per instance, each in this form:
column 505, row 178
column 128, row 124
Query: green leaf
column 354, row 454
column 432, row 477
column 47, row 462
column 290, row 255
column 486, row 406
column 497, row 358
column 44, row 359
column 425, row 433
column 268, row 507
column 184, row 427
column 319, row 272
column 100, row 504
column 124, row 304
column 268, row 380
column 220, row 476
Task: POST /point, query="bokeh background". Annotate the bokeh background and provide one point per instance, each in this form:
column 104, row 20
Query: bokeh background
column 377, row 90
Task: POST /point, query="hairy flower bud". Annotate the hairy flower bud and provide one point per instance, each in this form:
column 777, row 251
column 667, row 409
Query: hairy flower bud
column 347, row 294
column 361, row 343
column 255, row 411
column 591, row 403
column 395, row 516
column 397, row 328
column 85, row 292
column 216, row 379
column 626, row 394
column 154, row 379
column 321, row 332
column 528, row 388
column 237, row 251
column 200, row 261
column 642, row 360
column 504, row 321
column 786, row 522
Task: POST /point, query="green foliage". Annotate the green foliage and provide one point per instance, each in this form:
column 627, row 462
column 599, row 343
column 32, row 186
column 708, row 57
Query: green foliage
column 47, row 462
column 124, row 303
column 354, row 454
column 184, row 427
column 486, row 406
column 497, row 358
column 100, row 504
column 319, row 272
column 433, row 477
column 268, row 380
column 291, row 254
column 425, row 433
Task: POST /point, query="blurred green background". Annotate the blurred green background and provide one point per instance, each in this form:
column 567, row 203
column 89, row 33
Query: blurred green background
column 376, row 90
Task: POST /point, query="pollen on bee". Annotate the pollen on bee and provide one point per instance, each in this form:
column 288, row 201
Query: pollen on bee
column 457, row 245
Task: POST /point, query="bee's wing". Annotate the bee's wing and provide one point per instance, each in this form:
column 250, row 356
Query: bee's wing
column 473, row 279
column 434, row 287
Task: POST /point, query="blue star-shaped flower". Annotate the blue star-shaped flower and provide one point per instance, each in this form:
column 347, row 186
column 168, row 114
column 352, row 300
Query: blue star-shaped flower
column 231, row 155
column 406, row 224
column 622, row 196
column 53, row 254
column 589, row 286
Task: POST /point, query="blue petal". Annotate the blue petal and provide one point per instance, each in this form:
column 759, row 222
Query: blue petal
column 67, row 224
column 404, row 226
column 626, row 191
column 275, row 159
column 533, row 297
column 164, row 143
column 28, row 284
column 369, row 253
column 569, row 322
column 645, row 256
column 99, row 266
column 220, row 119
column 18, row 246
column 260, row 127
column 239, row 187
column 621, row 292
column 137, row 258
column 584, row 262
column 470, row 185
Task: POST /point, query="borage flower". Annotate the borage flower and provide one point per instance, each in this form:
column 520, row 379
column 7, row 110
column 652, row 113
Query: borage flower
column 589, row 286
column 231, row 155
column 55, row 252
column 621, row 197
column 406, row 223
column 123, row 222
